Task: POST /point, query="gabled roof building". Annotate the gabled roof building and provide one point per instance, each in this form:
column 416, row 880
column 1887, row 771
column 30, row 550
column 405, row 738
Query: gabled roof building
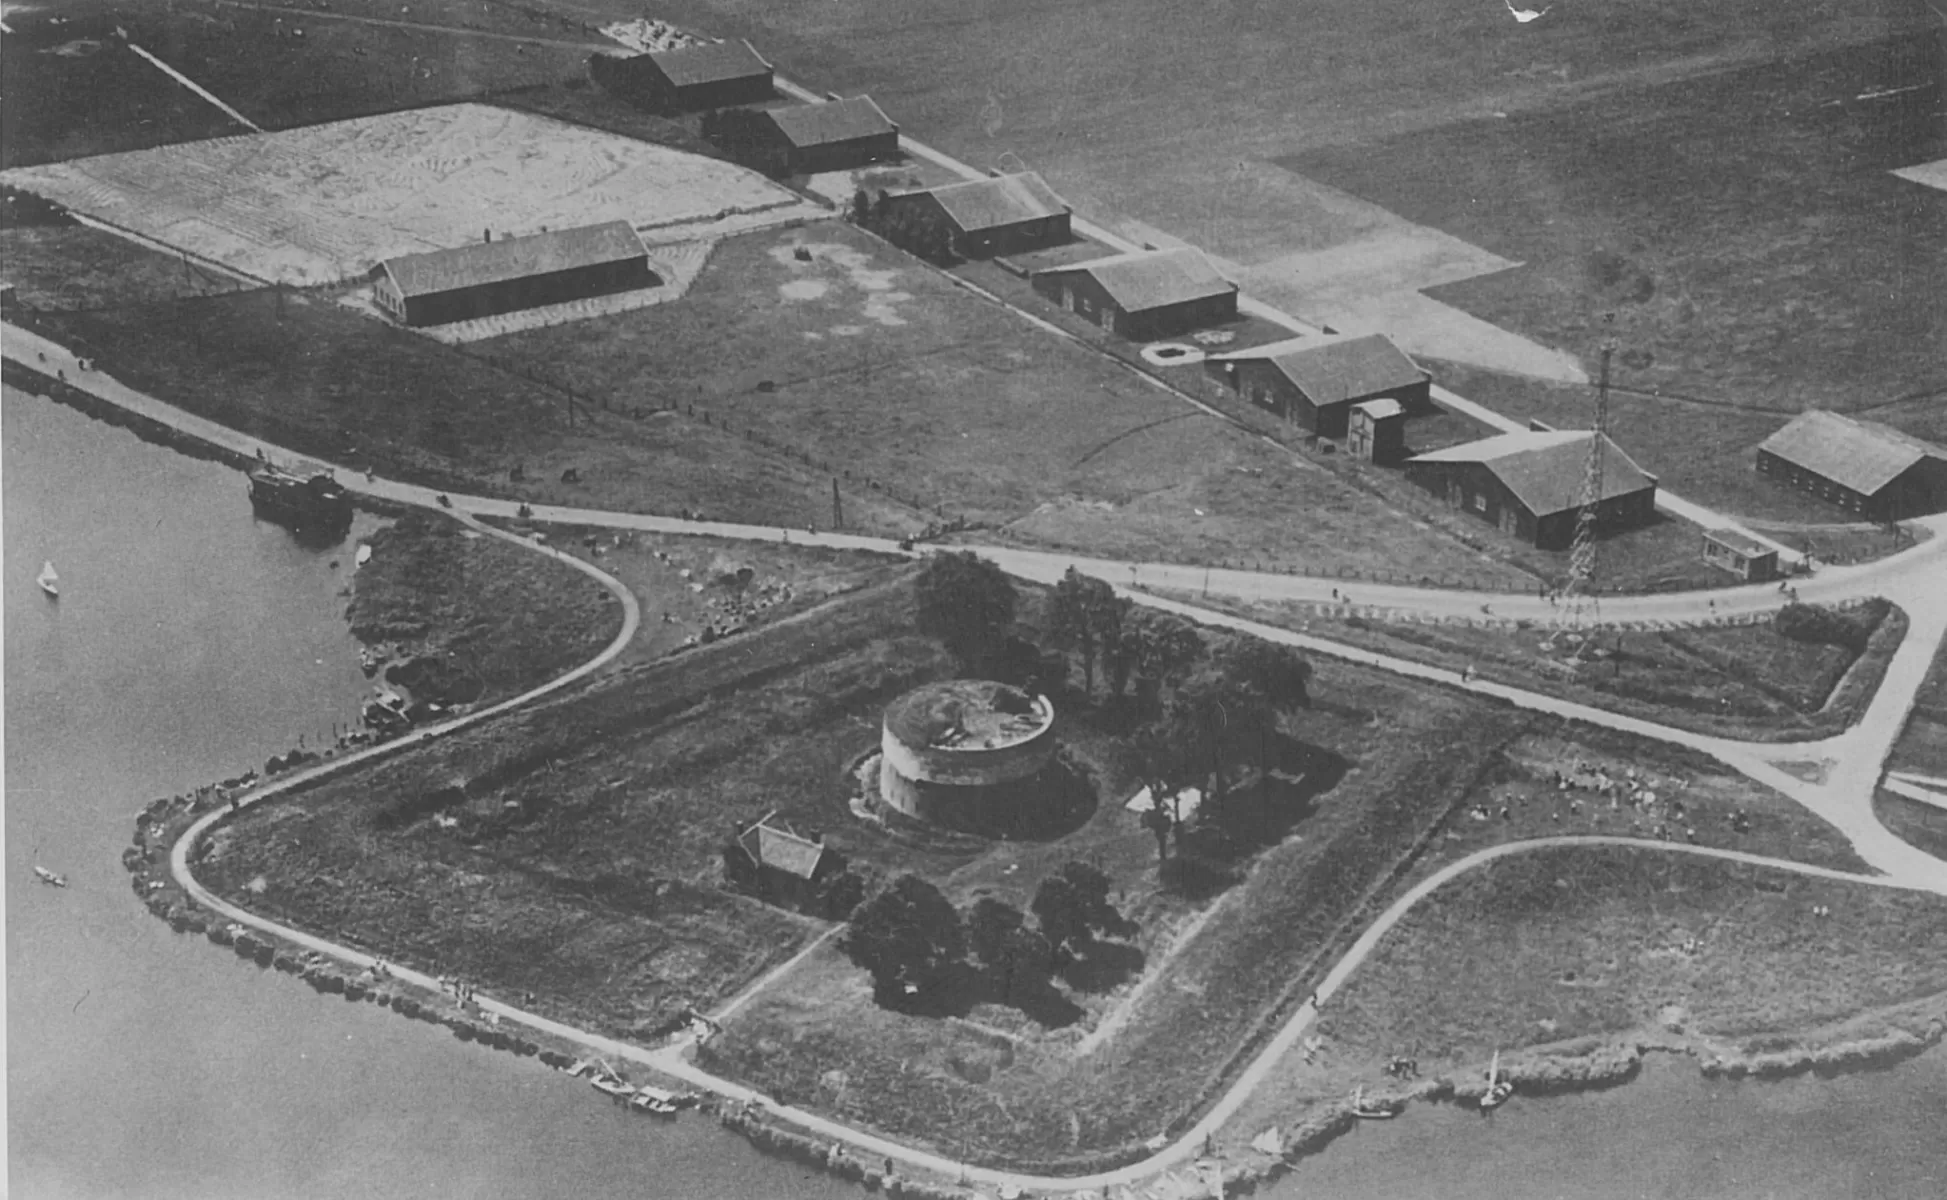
column 1144, row 294
column 1872, row 469
column 689, row 78
column 1530, row 483
column 1314, row 382
column 487, row 277
column 837, row 135
column 1005, row 214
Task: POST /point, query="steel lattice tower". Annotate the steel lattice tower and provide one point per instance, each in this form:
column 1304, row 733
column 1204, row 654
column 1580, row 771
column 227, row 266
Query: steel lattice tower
column 1580, row 588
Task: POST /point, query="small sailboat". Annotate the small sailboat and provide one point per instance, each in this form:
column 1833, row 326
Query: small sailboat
column 1498, row 1089
column 614, row 1087
column 48, row 877
column 1372, row 1110
column 656, row 1100
column 49, row 581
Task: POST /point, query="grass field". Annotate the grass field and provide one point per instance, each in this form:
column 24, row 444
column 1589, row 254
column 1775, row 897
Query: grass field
column 70, row 266
column 1746, row 681
column 486, row 619
column 1922, row 747
column 866, row 361
column 1705, row 452
column 1538, row 951
column 311, row 375
column 258, row 62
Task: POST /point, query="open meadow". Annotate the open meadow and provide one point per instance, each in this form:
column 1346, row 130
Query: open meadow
column 1553, row 955
column 1748, row 682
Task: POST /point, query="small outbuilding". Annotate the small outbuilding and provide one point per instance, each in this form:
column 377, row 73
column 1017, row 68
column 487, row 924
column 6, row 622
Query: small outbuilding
column 1375, row 431
column 1314, row 382
column 838, row 135
column 1869, row 468
column 1143, row 295
column 1530, row 483
column 1005, row 214
column 691, row 78
column 782, row 867
column 1743, row 556
column 484, row 278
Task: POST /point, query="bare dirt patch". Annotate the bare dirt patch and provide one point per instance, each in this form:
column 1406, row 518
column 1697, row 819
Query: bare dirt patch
column 324, row 203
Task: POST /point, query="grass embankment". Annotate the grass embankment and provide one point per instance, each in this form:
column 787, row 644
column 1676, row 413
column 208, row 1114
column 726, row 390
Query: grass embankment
column 1740, row 681
column 471, row 619
column 307, row 373
column 279, row 69
column 61, row 265
column 695, row 590
column 876, row 368
column 1568, row 960
column 1922, row 747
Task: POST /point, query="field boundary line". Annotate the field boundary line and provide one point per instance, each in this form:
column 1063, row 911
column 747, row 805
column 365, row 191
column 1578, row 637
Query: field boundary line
column 198, row 88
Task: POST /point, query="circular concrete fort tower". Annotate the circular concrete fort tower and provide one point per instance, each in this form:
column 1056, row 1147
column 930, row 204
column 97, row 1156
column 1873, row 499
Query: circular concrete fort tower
column 964, row 753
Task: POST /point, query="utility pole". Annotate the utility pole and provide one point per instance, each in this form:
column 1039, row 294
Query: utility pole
column 838, row 513
column 1582, row 551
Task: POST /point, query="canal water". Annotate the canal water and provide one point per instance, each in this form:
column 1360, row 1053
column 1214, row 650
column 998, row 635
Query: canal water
column 191, row 641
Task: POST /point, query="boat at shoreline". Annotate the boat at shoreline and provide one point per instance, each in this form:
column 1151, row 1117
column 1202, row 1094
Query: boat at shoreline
column 48, row 580
column 1498, row 1089
column 49, row 878
column 302, row 502
column 1374, row 1110
column 657, row 1101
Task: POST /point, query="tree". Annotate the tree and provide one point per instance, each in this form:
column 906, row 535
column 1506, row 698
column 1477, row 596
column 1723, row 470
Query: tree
column 908, row 935
column 1159, row 648
column 989, row 926
column 861, row 207
column 1025, row 957
column 967, row 602
column 1072, row 907
column 1070, row 624
column 1275, row 678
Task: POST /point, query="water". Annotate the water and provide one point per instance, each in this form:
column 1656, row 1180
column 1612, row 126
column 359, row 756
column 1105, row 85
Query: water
column 190, row 642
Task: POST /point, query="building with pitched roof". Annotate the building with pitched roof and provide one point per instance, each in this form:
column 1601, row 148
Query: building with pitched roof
column 1869, row 468
column 1530, row 483
column 1005, row 214
column 1314, row 382
column 780, row 866
column 804, row 139
column 1144, row 294
column 488, row 277
column 690, row 78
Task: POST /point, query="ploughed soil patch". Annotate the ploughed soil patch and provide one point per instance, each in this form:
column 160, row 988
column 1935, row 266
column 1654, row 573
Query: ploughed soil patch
column 1553, row 955
column 861, row 363
column 304, row 372
column 472, row 619
column 1749, row 682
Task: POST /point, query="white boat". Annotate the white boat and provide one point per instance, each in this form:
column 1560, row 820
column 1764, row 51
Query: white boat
column 49, row 581
column 612, row 1087
column 49, row 878
column 1498, row 1089
column 1372, row 1110
column 656, row 1100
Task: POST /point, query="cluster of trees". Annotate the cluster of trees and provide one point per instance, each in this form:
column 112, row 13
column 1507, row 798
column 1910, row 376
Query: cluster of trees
column 911, row 938
column 916, row 230
column 1850, row 628
column 1198, row 694
column 1195, row 696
